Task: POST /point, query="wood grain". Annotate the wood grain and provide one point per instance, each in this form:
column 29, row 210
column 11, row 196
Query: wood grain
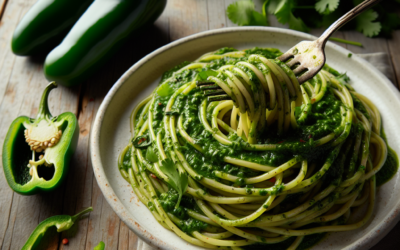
column 22, row 81
column 2, row 7
column 214, row 10
column 394, row 52
column 14, row 99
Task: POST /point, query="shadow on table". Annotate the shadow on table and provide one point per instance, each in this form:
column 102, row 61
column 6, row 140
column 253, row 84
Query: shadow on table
column 390, row 241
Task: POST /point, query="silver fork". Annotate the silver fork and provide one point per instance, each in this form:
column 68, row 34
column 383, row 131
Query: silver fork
column 306, row 58
column 309, row 57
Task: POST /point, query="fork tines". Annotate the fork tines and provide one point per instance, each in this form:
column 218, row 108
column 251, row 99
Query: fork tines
column 218, row 98
column 200, row 83
column 305, row 59
column 212, row 90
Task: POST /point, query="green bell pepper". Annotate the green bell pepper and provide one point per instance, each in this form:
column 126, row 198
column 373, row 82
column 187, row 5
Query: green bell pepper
column 96, row 36
column 45, row 25
column 37, row 152
column 62, row 222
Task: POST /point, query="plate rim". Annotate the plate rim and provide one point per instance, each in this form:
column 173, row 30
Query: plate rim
column 367, row 241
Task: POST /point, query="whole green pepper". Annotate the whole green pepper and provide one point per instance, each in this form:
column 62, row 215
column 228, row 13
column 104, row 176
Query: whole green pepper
column 96, row 36
column 45, row 25
column 62, row 222
column 37, row 152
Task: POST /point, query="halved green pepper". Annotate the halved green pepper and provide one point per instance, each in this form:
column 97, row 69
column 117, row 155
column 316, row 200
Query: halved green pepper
column 37, row 152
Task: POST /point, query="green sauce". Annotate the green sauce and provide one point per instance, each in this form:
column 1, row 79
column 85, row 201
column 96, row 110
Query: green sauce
column 225, row 50
column 126, row 162
column 389, row 169
column 322, row 118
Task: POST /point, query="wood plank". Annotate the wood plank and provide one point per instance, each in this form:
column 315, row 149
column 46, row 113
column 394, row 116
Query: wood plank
column 186, row 17
column 229, row 23
column 127, row 239
column 3, row 4
column 11, row 104
column 394, row 52
column 11, row 16
column 216, row 14
column 6, row 242
column 80, row 180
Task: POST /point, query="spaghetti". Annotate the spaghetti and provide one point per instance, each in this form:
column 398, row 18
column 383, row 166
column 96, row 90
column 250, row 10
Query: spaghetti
column 277, row 162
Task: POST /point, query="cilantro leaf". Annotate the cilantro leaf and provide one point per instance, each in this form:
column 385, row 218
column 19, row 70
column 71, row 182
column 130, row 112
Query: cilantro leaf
column 301, row 15
column 178, row 181
column 271, row 5
column 326, row 7
column 285, row 15
column 283, row 11
column 297, row 24
column 365, row 23
column 243, row 13
column 259, row 19
column 297, row 111
column 205, row 74
column 165, row 90
column 151, row 156
column 240, row 12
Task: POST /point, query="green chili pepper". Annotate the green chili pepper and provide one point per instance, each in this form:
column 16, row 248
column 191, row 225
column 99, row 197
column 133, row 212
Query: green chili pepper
column 100, row 246
column 37, row 152
column 62, row 222
column 101, row 30
column 45, row 25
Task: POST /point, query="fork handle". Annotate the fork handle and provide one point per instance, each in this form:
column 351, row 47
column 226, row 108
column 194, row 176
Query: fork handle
column 344, row 19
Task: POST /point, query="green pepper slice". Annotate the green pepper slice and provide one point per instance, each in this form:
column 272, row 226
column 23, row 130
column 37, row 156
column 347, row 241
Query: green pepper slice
column 62, row 222
column 96, row 36
column 37, row 152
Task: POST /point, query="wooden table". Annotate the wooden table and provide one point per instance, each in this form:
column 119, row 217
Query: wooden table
column 21, row 84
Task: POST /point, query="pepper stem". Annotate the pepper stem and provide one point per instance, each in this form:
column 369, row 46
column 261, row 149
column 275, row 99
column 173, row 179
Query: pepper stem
column 76, row 216
column 43, row 106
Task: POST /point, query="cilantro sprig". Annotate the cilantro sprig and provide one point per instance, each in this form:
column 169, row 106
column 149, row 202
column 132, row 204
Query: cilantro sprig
column 305, row 14
column 177, row 180
column 243, row 13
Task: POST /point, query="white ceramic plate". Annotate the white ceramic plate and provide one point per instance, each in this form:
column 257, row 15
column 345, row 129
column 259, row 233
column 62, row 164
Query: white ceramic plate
column 110, row 133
